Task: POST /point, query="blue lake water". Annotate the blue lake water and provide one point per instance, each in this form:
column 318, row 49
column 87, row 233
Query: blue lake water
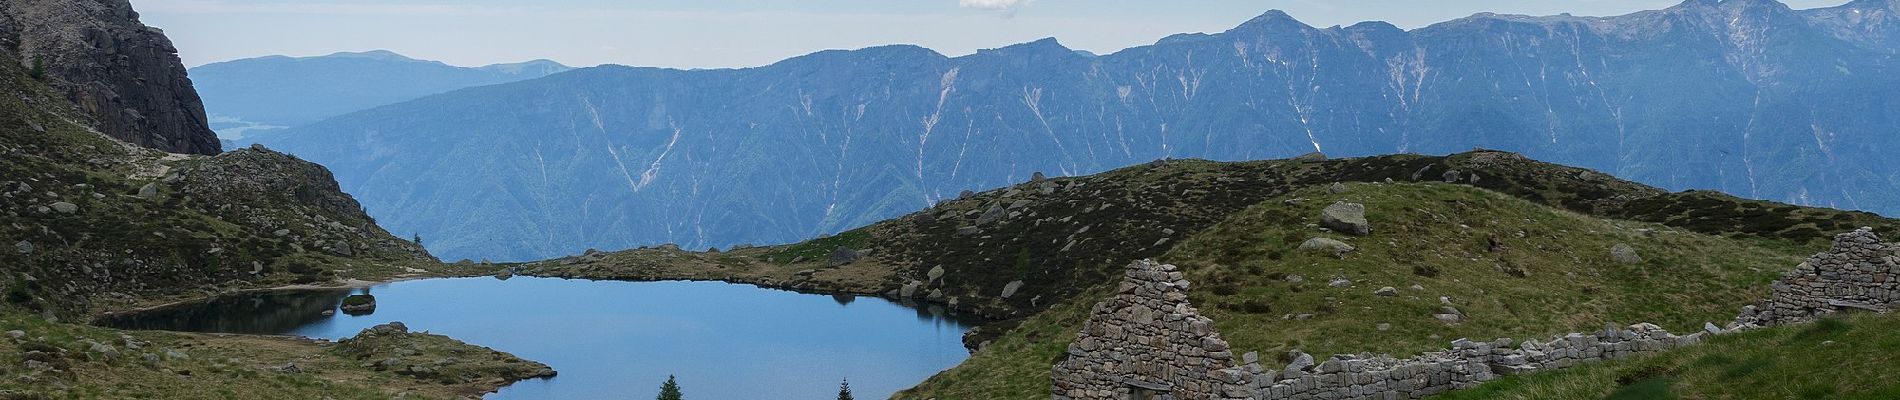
column 620, row 340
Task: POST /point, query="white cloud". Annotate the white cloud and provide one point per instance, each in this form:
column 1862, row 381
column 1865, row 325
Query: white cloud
column 993, row 4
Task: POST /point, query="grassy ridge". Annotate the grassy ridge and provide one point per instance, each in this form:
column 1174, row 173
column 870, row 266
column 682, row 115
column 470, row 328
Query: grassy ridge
column 1550, row 273
column 170, row 365
column 1846, row 358
column 1556, row 277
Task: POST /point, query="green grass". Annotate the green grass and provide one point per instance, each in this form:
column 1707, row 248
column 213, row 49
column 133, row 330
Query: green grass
column 1016, row 365
column 820, row 249
column 1555, row 278
column 1847, row 358
column 1553, row 274
column 243, row 366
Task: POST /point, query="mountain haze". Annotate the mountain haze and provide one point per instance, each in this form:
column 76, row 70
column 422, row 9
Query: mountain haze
column 290, row 91
column 1744, row 96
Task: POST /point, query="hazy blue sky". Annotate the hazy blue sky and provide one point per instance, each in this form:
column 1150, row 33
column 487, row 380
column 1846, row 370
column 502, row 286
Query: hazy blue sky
column 738, row 33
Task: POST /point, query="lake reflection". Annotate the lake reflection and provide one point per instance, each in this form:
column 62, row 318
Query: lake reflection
column 621, row 339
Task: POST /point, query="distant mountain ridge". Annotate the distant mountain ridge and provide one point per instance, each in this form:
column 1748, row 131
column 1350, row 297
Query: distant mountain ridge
column 281, row 91
column 1745, row 96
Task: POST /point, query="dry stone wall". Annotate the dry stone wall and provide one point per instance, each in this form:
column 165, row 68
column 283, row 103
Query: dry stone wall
column 1147, row 342
column 1145, row 334
column 1465, row 365
column 1858, row 274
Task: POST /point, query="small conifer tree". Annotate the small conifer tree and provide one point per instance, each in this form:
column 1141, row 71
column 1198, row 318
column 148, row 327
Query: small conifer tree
column 844, row 390
column 669, row 390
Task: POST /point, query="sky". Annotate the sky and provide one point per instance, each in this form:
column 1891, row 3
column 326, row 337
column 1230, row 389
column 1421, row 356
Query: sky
column 745, row 33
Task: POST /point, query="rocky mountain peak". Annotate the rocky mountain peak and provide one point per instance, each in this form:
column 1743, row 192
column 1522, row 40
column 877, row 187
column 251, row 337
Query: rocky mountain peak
column 1272, row 20
column 125, row 76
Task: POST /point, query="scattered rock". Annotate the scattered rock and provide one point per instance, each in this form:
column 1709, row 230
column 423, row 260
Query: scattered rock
column 1311, row 157
column 1036, row 177
column 65, row 208
column 1387, row 291
column 1338, row 188
column 1624, row 254
column 1448, row 318
column 149, row 191
column 910, row 289
column 967, row 231
column 1382, row 327
column 844, row 255
column 1339, row 282
column 993, row 214
column 359, row 304
column 24, row 247
column 1011, row 288
column 1348, row 218
column 1328, row 246
column 965, row 194
column 1451, row 176
column 935, row 273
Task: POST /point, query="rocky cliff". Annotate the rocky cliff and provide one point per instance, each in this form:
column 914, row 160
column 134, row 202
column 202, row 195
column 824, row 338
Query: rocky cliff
column 124, row 76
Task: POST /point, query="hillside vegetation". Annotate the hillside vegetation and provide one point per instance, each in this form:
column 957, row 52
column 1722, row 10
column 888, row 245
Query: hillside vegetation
column 1550, row 271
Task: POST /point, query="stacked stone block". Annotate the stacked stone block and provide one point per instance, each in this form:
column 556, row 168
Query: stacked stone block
column 1465, row 365
column 1857, row 273
column 1148, row 338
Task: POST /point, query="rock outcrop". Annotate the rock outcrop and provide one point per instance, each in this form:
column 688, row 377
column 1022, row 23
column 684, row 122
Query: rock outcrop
column 124, row 76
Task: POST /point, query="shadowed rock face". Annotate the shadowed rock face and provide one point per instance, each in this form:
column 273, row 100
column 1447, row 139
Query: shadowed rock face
column 125, row 76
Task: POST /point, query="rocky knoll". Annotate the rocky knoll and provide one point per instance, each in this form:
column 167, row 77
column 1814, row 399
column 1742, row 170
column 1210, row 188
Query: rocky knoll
column 1053, row 238
column 92, row 218
column 124, row 76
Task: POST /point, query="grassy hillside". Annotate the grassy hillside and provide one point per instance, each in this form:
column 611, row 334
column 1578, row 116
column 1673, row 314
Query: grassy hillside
column 1845, row 358
column 1512, row 267
column 1552, row 273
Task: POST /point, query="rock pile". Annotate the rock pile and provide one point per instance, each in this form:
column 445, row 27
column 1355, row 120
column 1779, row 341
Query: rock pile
column 1148, row 340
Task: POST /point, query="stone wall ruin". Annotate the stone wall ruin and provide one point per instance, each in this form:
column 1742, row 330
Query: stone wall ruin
column 1859, row 273
column 1144, row 340
column 1147, row 342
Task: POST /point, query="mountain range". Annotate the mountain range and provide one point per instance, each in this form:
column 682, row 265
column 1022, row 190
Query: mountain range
column 266, row 93
column 1746, row 96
